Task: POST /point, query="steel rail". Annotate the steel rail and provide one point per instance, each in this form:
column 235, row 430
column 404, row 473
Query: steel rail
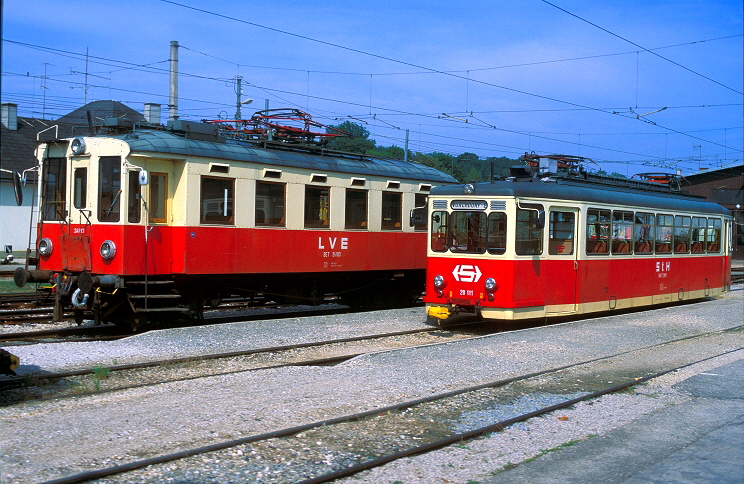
column 101, row 473
column 24, row 380
column 497, row 427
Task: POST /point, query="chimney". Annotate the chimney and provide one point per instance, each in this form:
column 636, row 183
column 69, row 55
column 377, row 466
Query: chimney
column 10, row 116
column 152, row 113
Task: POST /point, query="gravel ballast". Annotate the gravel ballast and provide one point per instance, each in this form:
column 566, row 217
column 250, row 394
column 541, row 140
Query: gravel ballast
column 49, row 439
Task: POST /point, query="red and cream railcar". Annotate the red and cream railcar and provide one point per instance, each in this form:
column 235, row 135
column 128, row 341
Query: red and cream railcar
column 562, row 243
column 164, row 221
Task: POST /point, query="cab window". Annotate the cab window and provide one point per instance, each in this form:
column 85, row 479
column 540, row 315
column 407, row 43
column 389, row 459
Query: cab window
column 439, row 225
column 53, row 189
column 109, row 188
column 134, row 201
column 468, row 232
column 80, row 188
column 496, row 233
column 529, row 233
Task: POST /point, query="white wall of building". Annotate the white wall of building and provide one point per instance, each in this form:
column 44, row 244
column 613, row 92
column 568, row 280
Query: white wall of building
column 14, row 220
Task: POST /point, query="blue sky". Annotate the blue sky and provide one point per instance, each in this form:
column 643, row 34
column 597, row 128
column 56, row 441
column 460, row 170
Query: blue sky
column 567, row 76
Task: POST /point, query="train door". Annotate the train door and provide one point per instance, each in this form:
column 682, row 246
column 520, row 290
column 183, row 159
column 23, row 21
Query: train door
column 561, row 297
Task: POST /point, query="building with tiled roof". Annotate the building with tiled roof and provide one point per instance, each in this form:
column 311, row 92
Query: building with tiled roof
column 18, row 141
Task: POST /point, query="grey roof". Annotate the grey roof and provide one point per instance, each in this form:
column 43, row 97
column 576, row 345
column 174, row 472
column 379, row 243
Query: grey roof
column 99, row 111
column 17, row 148
column 574, row 190
column 171, row 144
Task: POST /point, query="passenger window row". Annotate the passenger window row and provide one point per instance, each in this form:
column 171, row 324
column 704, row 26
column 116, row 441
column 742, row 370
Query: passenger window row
column 625, row 232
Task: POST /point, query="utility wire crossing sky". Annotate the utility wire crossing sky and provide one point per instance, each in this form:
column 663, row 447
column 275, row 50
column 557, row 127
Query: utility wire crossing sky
column 637, row 86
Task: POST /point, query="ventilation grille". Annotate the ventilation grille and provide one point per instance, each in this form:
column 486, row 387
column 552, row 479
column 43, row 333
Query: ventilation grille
column 439, row 204
column 498, row 204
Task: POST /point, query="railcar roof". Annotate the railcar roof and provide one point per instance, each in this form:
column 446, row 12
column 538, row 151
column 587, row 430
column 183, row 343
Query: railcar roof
column 168, row 143
column 580, row 191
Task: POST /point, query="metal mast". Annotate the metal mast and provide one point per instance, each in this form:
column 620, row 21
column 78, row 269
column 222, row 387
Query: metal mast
column 173, row 101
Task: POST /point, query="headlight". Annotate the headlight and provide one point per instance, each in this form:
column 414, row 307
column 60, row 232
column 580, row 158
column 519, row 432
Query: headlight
column 77, row 146
column 438, row 281
column 108, row 250
column 45, row 246
column 468, row 189
column 490, row 283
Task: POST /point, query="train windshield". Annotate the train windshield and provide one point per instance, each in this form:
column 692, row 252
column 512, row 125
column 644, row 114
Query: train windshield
column 53, row 189
column 468, row 232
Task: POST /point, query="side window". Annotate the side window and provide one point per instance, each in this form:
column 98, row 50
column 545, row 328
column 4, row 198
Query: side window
column 157, row 210
column 317, row 207
column 697, row 235
column 53, row 189
column 217, row 200
column 529, row 234
column 439, row 226
column 561, row 233
column 419, row 211
column 80, row 188
column 622, row 232
column 468, row 232
column 270, row 204
column 496, row 233
column 597, row 231
column 644, row 236
column 664, row 229
column 682, row 234
column 392, row 207
column 134, row 201
column 356, row 209
column 714, row 235
column 109, row 188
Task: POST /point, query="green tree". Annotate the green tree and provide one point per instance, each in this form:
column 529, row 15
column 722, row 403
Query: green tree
column 356, row 139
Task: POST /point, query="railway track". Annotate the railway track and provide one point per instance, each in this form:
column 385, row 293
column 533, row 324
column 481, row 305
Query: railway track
column 43, row 381
column 344, row 430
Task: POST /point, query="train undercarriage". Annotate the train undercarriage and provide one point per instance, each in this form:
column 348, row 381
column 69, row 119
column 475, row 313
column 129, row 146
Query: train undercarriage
column 136, row 301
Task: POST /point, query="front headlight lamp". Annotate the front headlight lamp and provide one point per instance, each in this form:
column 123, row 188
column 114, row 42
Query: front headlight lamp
column 108, row 249
column 490, row 284
column 45, row 246
column 438, row 281
column 77, row 146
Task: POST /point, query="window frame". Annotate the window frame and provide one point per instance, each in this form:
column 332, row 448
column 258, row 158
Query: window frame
column 229, row 218
column 529, row 226
column 391, row 211
column 56, row 191
column 151, row 213
column 113, row 189
column 600, row 229
column 282, row 222
column 320, row 204
column 351, row 222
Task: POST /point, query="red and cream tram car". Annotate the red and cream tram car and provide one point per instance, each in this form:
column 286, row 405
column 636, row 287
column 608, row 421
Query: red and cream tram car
column 160, row 222
column 554, row 240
